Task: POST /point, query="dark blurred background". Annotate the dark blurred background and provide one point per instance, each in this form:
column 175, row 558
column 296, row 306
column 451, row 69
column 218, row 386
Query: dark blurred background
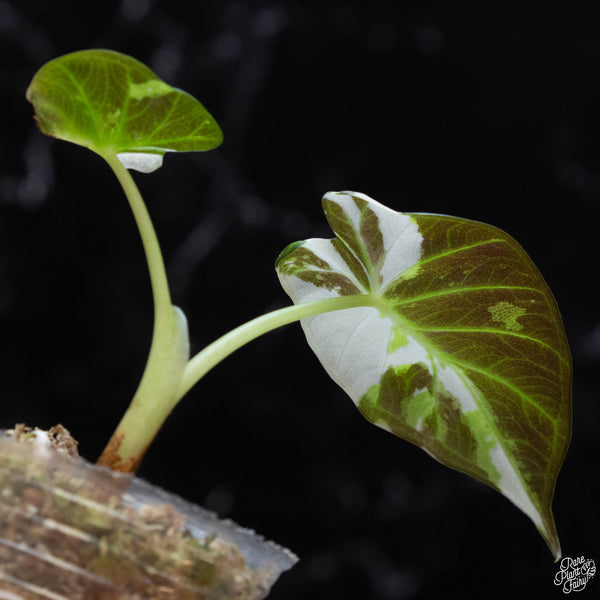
column 488, row 112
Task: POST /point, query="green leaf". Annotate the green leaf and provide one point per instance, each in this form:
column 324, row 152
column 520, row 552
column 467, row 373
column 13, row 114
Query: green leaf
column 463, row 353
column 115, row 105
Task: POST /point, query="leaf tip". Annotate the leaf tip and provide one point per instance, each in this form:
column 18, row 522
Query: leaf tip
column 550, row 536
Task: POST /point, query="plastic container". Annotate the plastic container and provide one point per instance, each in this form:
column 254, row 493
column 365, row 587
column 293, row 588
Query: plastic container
column 70, row 530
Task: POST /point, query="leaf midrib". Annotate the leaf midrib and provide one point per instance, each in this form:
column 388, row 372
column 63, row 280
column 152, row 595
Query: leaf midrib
column 461, row 290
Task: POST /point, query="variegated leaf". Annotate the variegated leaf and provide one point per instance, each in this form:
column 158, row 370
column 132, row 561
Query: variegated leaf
column 463, row 351
column 114, row 104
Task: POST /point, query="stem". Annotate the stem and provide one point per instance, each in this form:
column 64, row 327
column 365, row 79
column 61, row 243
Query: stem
column 157, row 391
column 156, row 266
column 213, row 354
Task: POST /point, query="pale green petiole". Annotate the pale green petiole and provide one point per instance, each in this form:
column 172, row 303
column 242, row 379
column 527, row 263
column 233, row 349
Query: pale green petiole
column 156, row 267
column 208, row 358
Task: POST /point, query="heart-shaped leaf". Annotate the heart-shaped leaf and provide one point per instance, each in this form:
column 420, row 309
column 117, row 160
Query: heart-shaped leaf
column 114, row 104
column 463, row 353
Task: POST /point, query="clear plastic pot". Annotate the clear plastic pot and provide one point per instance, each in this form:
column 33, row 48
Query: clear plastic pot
column 71, row 530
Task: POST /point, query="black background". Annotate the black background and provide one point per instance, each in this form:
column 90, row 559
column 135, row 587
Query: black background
column 485, row 113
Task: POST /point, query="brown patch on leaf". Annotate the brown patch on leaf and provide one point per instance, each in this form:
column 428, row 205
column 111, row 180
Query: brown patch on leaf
column 396, row 388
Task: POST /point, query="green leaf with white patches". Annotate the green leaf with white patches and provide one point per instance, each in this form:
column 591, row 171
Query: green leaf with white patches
column 462, row 350
column 115, row 105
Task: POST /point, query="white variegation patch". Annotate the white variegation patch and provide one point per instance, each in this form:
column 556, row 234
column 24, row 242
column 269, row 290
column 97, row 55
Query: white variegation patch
column 511, row 486
column 456, row 385
column 326, row 251
column 308, row 292
column 402, row 240
column 344, row 199
column 144, row 162
column 342, row 341
column 352, row 346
